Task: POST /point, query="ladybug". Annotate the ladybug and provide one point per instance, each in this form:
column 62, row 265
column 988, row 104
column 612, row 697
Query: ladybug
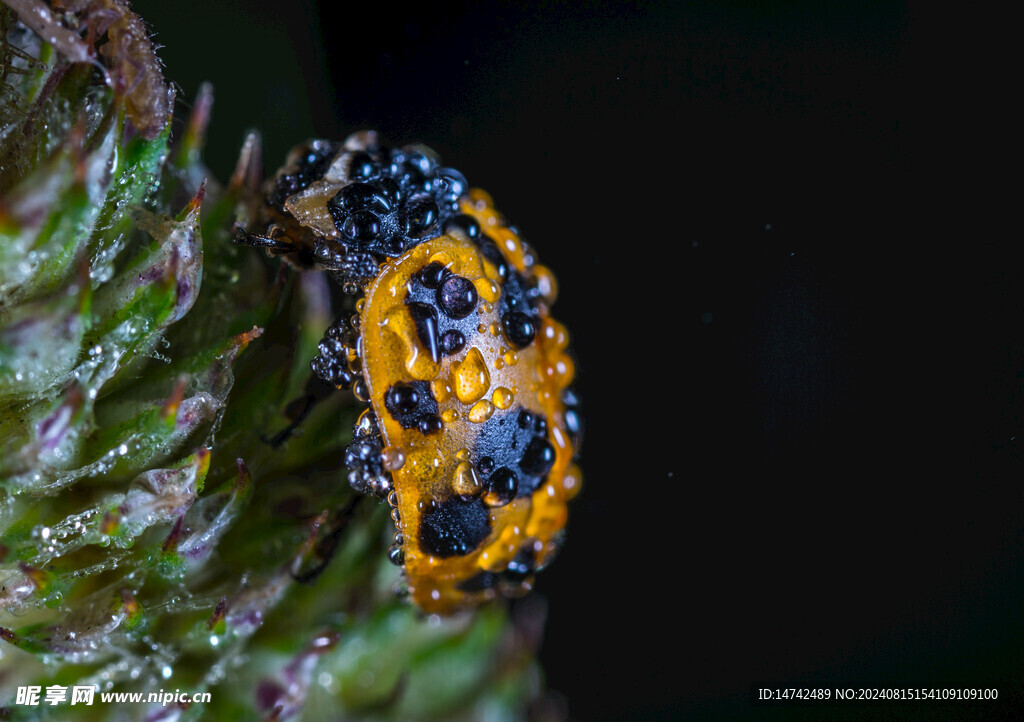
column 470, row 431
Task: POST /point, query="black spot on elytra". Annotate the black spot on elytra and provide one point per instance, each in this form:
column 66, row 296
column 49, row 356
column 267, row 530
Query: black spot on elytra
column 520, row 329
column 452, row 341
column 501, row 487
column 517, row 308
column 539, row 457
column 424, row 316
column 479, row 582
column 466, row 224
column 489, row 250
column 519, row 447
column 573, row 420
column 442, row 306
column 430, row 424
column 455, row 527
column 522, row 565
column 457, row 296
column 411, row 403
column 432, row 275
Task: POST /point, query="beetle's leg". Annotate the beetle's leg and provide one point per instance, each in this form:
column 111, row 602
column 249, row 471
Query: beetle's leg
column 298, row 409
column 279, row 243
column 257, row 240
column 324, row 549
column 352, row 269
column 331, row 369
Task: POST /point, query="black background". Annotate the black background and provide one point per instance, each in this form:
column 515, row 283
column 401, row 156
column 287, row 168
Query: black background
column 798, row 469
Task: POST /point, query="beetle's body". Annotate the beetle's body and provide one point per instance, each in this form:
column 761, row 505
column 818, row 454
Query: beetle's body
column 471, row 430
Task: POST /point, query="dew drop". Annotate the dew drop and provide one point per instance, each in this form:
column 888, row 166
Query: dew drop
column 466, row 483
column 471, row 377
column 394, row 459
column 501, row 487
column 481, row 411
column 450, row 416
column 441, row 390
column 502, row 397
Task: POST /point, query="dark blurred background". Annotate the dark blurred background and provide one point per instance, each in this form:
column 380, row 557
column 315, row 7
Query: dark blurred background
column 795, row 473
